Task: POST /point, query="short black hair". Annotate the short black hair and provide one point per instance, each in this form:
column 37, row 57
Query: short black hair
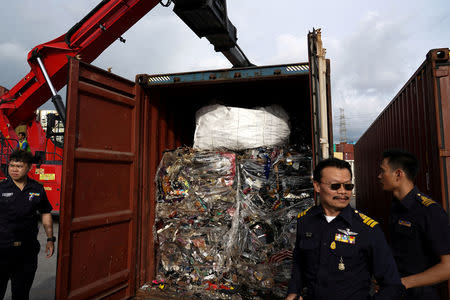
column 404, row 160
column 330, row 162
column 22, row 133
column 21, row 155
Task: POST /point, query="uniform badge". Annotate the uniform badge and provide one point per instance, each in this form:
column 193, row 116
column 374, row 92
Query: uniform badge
column 7, row 194
column 31, row 195
column 333, row 245
column 404, row 223
column 347, row 231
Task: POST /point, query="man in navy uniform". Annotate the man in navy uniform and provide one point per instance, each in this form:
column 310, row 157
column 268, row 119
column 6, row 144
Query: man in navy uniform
column 339, row 249
column 20, row 199
column 420, row 236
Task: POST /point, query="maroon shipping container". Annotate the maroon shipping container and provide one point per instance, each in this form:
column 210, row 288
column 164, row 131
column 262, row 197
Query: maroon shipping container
column 116, row 133
column 348, row 152
column 416, row 120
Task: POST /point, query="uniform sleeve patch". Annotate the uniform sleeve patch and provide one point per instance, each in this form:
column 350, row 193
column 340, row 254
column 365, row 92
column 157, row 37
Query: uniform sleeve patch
column 301, row 214
column 426, row 201
column 368, row 221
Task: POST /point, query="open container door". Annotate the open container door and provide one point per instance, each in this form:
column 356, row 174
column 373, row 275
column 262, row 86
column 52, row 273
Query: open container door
column 319, row 78
column 97, row 236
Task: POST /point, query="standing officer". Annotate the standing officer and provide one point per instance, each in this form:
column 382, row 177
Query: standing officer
column 338, row 249
column 20, row 198
column 419, row 228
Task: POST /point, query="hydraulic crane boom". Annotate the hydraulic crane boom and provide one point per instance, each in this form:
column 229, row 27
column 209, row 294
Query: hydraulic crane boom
column 85, row 41
column 91, row 36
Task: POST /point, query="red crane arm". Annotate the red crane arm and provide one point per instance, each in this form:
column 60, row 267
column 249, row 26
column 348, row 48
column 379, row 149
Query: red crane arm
column 85, row 41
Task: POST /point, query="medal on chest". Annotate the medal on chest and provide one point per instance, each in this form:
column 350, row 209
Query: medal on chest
column 341, row 265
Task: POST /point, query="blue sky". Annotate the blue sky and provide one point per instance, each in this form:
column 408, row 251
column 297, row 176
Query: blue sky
column 374, row 46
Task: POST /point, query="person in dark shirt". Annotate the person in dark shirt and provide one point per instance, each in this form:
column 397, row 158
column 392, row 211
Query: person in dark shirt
column 20, row 199
column 420, row 236
column 339, row 249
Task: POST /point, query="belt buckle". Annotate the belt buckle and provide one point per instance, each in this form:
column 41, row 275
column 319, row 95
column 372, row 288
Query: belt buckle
column 17, row 244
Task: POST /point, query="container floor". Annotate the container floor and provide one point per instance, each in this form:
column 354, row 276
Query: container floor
column 163, row 295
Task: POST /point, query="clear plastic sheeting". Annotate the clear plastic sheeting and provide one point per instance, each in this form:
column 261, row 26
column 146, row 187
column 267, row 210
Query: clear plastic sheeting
column 225, row 127
column 226, row 221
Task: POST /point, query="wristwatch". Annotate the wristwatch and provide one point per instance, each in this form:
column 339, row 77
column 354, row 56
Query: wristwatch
column 51, row 239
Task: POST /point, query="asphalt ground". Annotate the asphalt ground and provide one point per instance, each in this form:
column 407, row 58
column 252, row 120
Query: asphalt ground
column 44, row 281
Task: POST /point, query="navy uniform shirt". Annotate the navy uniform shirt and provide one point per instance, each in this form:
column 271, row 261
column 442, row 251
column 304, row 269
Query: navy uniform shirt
column 419, row 233
column 18, row 211
column 336, row 260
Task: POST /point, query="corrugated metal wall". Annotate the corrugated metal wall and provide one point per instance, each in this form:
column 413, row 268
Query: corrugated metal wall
column 98, row 224
column 417, row 120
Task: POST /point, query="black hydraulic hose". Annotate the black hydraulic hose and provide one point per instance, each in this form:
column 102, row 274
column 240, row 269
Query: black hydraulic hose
column 78, row 25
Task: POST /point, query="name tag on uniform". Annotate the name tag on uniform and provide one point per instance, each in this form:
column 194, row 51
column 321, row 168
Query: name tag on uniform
column 7, row 194
column 343, row 238
column 404, row 223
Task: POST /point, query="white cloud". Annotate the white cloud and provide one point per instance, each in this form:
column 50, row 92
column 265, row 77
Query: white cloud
column 289, row 48
column 12, row 51
column 369, row 71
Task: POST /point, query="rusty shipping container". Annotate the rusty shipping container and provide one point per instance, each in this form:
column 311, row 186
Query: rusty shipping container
column 116, row 133
column 417, row 120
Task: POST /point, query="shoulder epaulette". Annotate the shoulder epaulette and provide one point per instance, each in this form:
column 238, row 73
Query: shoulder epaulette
column 425, row 200
column 301, row 214
column 366, row 220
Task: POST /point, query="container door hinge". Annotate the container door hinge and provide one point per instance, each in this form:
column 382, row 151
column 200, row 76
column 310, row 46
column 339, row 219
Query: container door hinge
column 444, row 153
column 442, row 72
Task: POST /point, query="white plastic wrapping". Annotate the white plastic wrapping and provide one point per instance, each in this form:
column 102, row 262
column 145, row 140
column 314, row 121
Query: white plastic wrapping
column 219, row 126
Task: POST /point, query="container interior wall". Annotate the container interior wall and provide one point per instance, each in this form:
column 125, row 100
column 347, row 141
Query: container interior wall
column 169, row 122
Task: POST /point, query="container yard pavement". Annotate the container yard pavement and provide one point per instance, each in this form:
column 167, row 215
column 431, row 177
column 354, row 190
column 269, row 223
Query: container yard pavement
column 44, row 282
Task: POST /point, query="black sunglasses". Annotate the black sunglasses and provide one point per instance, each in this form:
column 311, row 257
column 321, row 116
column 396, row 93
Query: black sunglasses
column 336, row 186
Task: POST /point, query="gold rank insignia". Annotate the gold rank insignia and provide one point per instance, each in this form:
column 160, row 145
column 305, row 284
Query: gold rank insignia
column 333, row 245
column 425, row 200
column 301, row 214
column 368, row 221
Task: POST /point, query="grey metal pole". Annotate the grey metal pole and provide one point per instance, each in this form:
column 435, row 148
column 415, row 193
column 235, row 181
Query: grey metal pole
column 56, row 99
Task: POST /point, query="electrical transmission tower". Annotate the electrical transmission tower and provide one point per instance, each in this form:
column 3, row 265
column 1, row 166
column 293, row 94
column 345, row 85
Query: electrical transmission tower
column 342, row 127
